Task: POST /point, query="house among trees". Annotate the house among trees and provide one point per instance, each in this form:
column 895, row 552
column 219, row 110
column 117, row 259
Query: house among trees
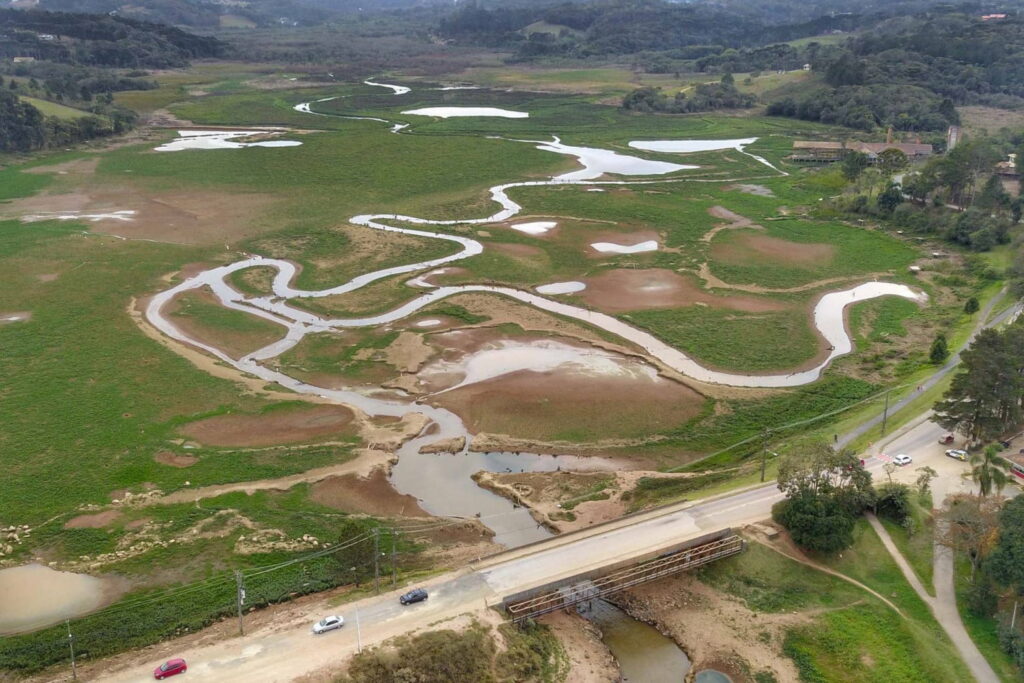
column 824, row 151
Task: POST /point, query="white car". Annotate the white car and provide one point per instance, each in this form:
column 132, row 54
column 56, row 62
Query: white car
column 957, row 454
column 902, row 459
column 328, row 624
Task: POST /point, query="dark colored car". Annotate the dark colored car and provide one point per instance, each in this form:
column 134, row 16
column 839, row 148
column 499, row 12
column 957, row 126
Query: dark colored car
column 946, row 439
column 415, row 595
column 171, row 667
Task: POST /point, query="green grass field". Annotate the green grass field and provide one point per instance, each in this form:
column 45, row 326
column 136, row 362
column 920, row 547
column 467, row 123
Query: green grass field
column 54, row 109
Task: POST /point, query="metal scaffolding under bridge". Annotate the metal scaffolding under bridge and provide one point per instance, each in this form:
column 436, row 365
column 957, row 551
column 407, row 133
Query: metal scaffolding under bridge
column 692, row 554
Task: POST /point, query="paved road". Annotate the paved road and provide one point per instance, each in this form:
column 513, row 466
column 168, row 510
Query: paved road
column 940, row 374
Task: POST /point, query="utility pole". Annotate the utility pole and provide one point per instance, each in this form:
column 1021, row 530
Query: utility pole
column 394, row 567
column 240, row 599
column 359, row 635
column 376, row 560
column 71, row 644
column 764, row 451
column 885, row 412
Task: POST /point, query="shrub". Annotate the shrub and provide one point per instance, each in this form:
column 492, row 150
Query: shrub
column 893, row 502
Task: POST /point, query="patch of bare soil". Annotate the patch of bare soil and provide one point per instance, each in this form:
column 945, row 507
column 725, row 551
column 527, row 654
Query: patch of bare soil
column 372, row 495
column 195, row 216
column 284, row 426
column 518, row 251
column 557, row 499
column 86, row 166
column 175, row 459
column 751, row 248
column 625, row 289
column 162, row 118
column 590, row 660
column 47, row 277
column 716, row 630
column 408, row 352
column 97, row 520
column 453, row 445
column 746, row 188
column 566, row 404
column 733, row 221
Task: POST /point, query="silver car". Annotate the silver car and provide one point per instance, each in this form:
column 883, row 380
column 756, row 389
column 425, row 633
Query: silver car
column 328, row 624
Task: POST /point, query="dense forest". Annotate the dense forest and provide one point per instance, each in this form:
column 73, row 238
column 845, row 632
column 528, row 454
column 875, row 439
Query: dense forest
column 705, row 97
column 80, row 60
column 100, row 40
column 910, row 72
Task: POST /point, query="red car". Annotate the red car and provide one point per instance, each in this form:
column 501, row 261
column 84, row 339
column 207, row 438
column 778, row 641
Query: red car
column 171, row 667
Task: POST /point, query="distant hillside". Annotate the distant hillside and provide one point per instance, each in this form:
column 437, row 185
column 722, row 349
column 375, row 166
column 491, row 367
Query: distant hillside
column 99, row 40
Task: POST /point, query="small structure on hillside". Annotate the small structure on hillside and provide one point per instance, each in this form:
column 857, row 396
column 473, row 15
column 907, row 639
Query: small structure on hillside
column 824, row 151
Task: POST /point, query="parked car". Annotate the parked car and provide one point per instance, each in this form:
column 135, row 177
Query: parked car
column 902, row 459
column 172, row 667
column 946, row 439
column 328, row 624
column 415, row 595
column 957, row 454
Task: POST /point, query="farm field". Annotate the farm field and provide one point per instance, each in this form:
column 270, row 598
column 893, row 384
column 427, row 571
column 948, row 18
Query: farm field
column 178, row 325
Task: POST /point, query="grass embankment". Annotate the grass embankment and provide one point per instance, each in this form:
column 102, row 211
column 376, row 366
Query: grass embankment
column 61, row 111
column 529, row 655
column 848, row 634
column 915, row 539
column 984, row 631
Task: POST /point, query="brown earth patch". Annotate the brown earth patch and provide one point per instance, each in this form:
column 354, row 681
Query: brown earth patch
column 175, row 459
column 734, row 221
column 47, row 277
column 86, row 166
column 97, row 520
column 372, row 495
column 590, row 660
column 195, row 216
column 615, row 291
column 408, row 352
column 283, row 426
column 558, row 499
column 564, row 404
column 517, row 251
column 747, row 188
column 748, row 248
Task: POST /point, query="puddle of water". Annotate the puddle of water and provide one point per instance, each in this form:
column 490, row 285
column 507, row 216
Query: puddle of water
column 711, row 676
column 431, row 322
column 123, row 215
column 612, row 248
column 685, row 146
column 643, row 654
column 561, row 288
column 535, row 228
column 33, row 596
column 440, row 482
column 398, row 89
column 448, row 112
column 222, row 139
column 596, row 162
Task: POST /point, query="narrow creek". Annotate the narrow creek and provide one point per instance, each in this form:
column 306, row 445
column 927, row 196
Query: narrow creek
column 643, row 654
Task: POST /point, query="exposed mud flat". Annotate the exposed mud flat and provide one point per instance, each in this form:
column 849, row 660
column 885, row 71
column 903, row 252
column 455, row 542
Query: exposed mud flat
column 33, row 596
column 749, row 188
column 98, row 520
column 754, row 248
column 175, row 459
column 627, row 289
column 276, row 427
column 590, row 660
column 566, row 404
column 372, row 495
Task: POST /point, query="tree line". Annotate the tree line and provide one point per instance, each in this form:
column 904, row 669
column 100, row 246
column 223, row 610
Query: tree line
column 23, row 128
column 705, row 97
